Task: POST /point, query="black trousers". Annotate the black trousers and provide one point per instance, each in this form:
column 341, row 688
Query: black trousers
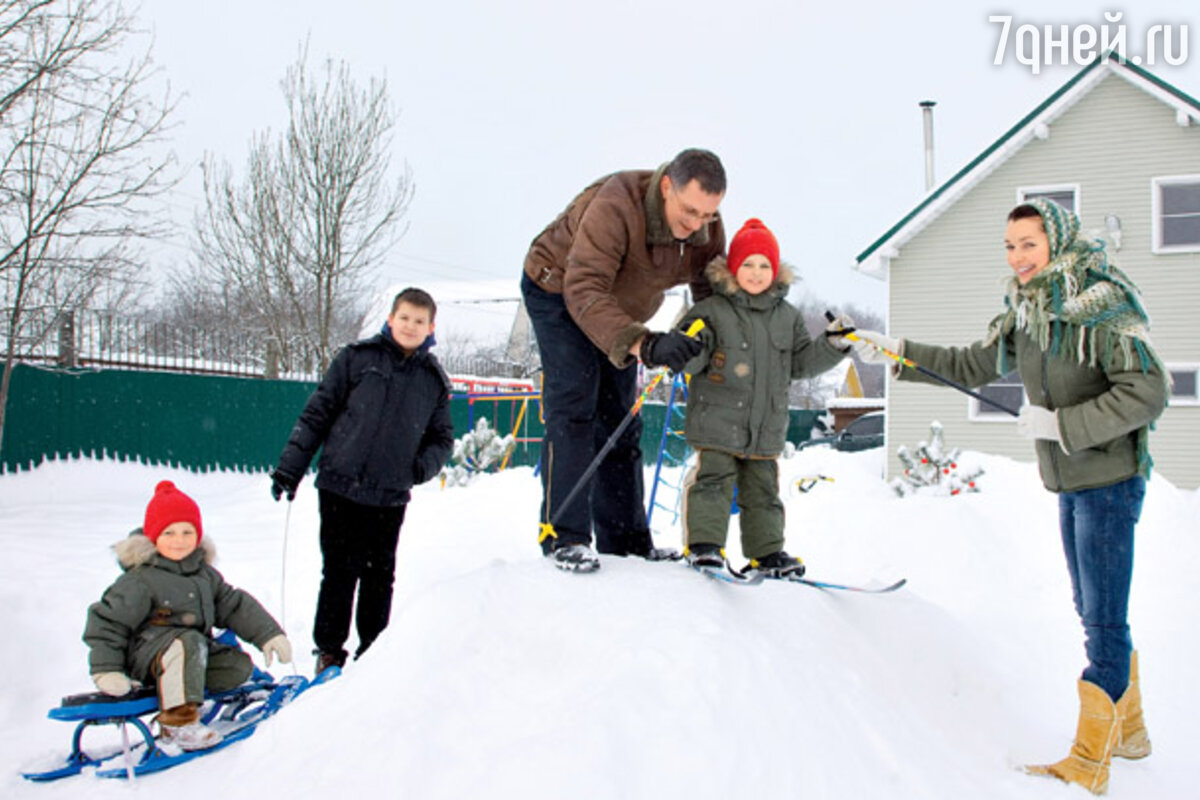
column 358, row 545
column 584, row 399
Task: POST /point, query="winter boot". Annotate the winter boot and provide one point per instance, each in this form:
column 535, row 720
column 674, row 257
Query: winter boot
column 705, row 556
column 1096, row 735
column 663, row 554
column 777, row 565
column 327, row 660
column 575, row 558
column 181, row 726
column 1134, row 741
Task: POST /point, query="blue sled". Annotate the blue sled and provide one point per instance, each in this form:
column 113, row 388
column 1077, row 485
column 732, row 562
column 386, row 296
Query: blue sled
column 235, row 713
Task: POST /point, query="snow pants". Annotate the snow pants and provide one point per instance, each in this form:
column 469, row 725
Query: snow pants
column 358, row 545
column 708, row 501
column 584, row 400
column 191, row 663
column 1097, row 533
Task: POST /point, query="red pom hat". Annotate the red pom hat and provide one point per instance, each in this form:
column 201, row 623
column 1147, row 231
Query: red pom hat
column 754, row 237
column 168, row 506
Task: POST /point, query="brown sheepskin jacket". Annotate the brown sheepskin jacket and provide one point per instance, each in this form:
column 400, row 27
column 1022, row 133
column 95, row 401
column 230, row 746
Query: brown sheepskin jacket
column 612, row 256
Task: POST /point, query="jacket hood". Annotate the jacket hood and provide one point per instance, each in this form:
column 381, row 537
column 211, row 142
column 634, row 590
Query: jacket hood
column 724, row 282
column 136, row 550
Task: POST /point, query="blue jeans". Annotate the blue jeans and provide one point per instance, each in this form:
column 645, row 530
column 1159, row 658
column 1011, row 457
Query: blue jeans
column 584, row 399
column 1097, row 533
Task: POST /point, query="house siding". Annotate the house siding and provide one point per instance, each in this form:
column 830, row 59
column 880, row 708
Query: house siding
column 946, row 283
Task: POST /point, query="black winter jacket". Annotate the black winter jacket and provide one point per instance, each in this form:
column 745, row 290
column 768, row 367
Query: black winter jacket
column 383, row 420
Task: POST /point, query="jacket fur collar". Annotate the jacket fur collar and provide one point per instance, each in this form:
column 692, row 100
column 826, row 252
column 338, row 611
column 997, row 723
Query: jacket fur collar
column 137, row 550
column 723, row 281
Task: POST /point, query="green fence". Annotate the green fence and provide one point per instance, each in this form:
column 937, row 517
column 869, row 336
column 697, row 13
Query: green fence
column 205, row 422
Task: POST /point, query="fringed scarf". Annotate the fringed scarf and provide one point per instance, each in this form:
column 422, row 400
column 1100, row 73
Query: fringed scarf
column 1080, row 307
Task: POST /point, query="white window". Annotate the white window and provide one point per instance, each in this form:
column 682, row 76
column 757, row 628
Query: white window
column 1185, row 384
column 1175, row 208
column 1007, row 391
column 1065, row 194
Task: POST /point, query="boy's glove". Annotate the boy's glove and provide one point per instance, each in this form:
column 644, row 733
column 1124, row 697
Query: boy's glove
column 281, row 484
column 1035, row 422
column 278, row 645
column 673, row 350
column 868, row 344
column 116, row 684
column 837, row 329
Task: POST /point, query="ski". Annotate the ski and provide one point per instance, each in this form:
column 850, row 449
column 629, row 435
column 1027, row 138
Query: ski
column 842, row 587
column 729, row 575
column 236, row 714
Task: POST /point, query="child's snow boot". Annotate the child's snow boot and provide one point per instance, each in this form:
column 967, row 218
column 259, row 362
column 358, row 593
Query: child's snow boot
column 777, row 565
column 181, row 726
column 705, row 556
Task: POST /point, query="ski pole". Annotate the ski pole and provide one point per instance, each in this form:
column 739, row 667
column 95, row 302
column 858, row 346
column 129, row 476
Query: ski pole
column 547, row 528
column 908, row 362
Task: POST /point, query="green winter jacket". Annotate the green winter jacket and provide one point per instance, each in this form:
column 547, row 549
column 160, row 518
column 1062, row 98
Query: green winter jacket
column 754, row 347
column 157, row 599
column 1101, row 413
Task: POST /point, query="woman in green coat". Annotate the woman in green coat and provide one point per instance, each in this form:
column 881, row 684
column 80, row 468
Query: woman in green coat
column 1077, row 333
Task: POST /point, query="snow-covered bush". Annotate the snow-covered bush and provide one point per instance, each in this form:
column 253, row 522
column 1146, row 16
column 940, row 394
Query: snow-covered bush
column 479, row 450
column 933, row 469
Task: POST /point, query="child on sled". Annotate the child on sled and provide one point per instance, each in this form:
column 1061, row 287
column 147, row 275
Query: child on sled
column 154, row 624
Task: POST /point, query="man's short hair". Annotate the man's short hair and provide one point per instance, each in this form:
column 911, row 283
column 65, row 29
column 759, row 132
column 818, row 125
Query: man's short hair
column 702, row 166
column 416, row 297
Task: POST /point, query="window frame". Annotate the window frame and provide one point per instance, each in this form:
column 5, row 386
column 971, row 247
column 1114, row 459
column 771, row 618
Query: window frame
column 1185, row 366
column 978, row 411
column 1023, row 193
column 1156, row 212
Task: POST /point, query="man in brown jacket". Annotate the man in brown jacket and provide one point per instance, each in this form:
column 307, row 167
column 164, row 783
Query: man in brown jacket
column 592, row 279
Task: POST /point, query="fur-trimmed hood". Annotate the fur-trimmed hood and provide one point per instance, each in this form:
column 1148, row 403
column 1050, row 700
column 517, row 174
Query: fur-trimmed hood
column 724, row 282
column 136, row 550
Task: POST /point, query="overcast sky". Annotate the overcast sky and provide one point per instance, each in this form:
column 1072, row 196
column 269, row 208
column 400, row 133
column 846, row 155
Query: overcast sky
column 507, row 109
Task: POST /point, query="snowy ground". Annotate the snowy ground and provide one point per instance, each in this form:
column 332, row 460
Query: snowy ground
column 501, row 677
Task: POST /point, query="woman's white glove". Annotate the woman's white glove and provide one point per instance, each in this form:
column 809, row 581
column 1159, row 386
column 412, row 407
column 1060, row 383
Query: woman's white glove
column 278, row 645
column 1035, row 422
column 871, row 344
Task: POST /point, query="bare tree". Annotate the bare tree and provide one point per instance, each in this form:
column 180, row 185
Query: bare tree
column 293, row 243
column 77, row 163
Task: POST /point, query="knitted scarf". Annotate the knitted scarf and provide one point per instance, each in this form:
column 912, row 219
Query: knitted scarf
column 1080, row 306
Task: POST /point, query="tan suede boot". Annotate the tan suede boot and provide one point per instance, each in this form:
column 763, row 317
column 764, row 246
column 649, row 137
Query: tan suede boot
column 1097, row 733
column 1134, row 741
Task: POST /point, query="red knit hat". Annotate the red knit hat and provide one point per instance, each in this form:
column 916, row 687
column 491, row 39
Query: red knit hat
column 754, row 237
column 168, row 506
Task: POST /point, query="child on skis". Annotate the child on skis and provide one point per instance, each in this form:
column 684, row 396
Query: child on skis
column 755, row 344
column 154, row 624
column 381, row 416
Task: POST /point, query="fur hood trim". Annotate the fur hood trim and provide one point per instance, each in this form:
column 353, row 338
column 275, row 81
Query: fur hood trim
column 724, row 282
column 136, row 549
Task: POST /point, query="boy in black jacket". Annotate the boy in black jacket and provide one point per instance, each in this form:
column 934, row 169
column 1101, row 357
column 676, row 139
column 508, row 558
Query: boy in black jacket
column 381, row 415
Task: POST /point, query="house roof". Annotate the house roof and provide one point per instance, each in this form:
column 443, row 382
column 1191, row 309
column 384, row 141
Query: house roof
column 875, row 258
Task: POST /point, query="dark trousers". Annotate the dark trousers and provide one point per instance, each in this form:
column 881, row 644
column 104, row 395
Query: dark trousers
column 584, row 400
column 358, row 545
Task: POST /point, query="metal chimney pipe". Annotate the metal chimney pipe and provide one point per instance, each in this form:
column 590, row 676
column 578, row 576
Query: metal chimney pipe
column 927, row 114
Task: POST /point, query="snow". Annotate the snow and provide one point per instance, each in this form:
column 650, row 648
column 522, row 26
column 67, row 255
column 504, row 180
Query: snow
column 501, row 677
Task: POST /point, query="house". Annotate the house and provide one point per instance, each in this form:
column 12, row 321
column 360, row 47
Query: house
column 1122, row 148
